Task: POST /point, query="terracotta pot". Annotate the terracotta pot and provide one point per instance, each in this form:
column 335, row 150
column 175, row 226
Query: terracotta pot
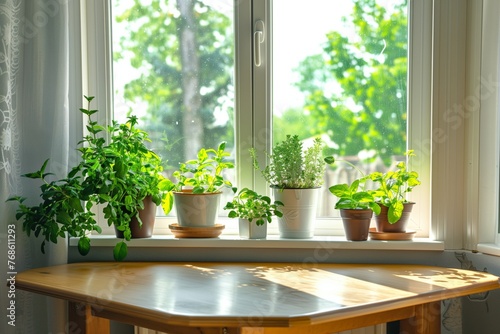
column 383, row 224
column 147, row 215
column 356, row 223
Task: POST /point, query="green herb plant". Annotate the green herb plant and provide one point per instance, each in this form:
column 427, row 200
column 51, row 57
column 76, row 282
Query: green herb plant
column 203, row 175
column 354, row 196
column 116, row 170
column 60, row 212
column 248, row 204
column 290, row 166
column 393, row 187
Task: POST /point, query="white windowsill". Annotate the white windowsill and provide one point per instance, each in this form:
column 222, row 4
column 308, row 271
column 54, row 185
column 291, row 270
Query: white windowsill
column 489, row 248
column 232, row 241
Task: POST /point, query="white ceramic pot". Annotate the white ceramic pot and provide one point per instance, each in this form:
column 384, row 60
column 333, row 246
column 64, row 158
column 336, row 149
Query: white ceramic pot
column 250, row 230
column 299, row 212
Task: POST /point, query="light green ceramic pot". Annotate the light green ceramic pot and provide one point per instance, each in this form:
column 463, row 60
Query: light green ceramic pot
column 196, row 210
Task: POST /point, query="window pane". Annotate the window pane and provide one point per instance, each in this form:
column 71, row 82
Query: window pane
column 340, row 72
column 173, row 68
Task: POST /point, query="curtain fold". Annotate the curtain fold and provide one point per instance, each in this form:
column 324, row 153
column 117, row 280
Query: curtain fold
column 34, row 126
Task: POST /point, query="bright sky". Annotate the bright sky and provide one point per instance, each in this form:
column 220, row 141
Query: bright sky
column 299, row 31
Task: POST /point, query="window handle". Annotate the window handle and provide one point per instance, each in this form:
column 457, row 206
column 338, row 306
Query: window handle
column 258, row 39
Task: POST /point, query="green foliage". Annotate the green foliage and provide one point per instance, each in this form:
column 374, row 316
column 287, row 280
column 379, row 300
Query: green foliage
column 393, row 187
column 355, row 196
column 248, row 204
column 119, row 175
column 153, row 38
column 59, row 213
column 290, row 166
column 203, row 175
column 293, row 121
column 369, row 111
column 120, row 250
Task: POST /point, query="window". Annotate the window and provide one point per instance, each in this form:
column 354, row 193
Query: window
column 237, row 93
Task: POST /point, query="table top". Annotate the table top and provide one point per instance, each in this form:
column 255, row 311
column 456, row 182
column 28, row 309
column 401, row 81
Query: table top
column 274, row 294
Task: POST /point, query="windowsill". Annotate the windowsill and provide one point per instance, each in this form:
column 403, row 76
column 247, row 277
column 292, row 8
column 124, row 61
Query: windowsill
column 233, row 241
column 489, row 248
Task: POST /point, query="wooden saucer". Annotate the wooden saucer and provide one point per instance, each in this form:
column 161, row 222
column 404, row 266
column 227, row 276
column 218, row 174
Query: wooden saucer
column 196, row 232
column 376, row 235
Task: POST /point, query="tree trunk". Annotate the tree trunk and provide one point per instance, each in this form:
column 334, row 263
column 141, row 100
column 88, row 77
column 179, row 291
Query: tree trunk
column 192, row 126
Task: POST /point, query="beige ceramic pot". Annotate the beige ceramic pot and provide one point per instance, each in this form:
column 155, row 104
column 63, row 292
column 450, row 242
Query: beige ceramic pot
column 196, row 210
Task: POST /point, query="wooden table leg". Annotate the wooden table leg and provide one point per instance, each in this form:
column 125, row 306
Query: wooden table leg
column 427, row 320
column 83, row 321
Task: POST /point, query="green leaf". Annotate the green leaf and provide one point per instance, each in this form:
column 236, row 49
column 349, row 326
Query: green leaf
column 329, row 160
column 354, row 186
column 119, row 168
column 54, row 232
column 76, row 204
column 375, row 207
column 127, row 233
column 73, row 172
column 64, row 218
column 84, row 246
column 120, row 251
column 16, row 198
column 202, row 154
column 345, row 203
column 395, row 211
column 363, row 197
column 198, row 190
column 339, row 190
column 129, row 200
column 166, row 185
column 88, row 98
column 167, row 202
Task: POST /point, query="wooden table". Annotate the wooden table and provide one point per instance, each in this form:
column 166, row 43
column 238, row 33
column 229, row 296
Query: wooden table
column 255, row 298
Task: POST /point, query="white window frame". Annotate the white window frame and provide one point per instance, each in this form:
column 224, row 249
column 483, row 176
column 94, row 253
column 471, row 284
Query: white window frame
column 486, row 233
column 437, row 84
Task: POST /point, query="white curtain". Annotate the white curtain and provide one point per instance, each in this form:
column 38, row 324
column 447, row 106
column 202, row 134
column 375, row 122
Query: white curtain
column 34, row 126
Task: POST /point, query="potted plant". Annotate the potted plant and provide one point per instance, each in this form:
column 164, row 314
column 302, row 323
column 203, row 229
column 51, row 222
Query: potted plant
column 295, row 175
column 249, row 206
column 199, row 185
column 391, row 194
column 356, row 205
column 120, row 174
